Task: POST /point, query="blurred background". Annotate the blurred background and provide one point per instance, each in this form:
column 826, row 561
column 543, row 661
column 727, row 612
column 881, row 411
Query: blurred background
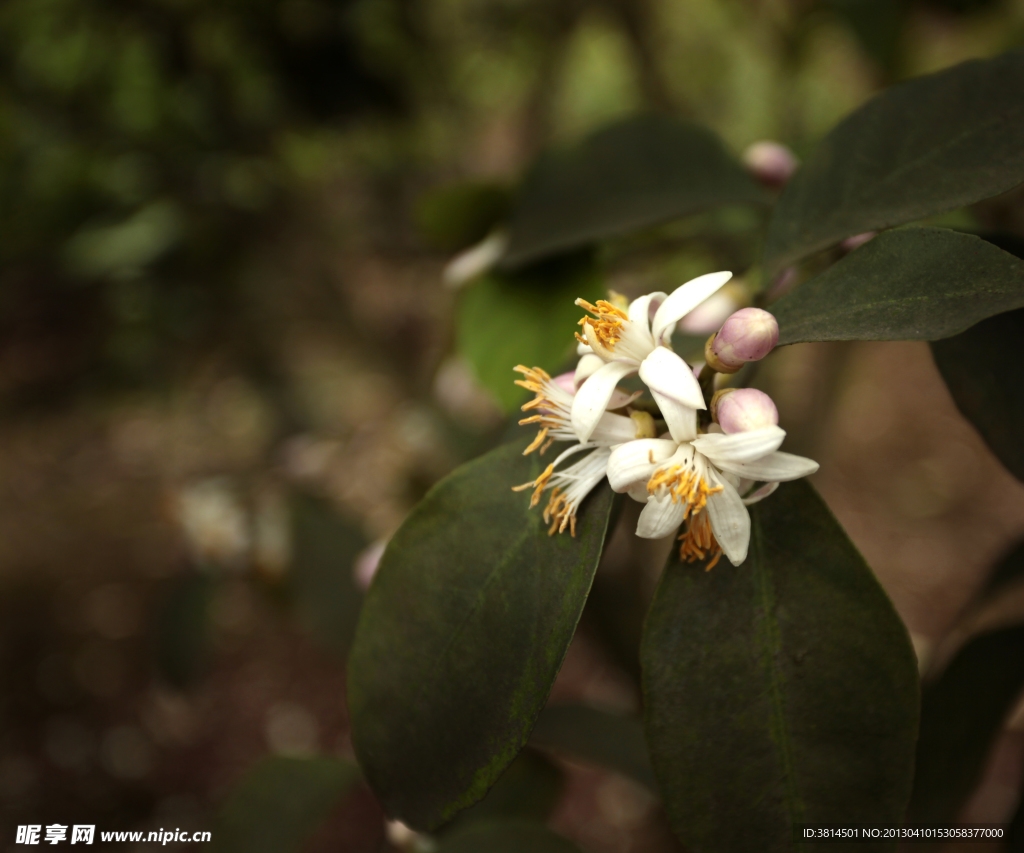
column 229, row 364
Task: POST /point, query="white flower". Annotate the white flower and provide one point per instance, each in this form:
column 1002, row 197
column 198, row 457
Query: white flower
column 639, row 339
column 569, row 486
column 706, row 481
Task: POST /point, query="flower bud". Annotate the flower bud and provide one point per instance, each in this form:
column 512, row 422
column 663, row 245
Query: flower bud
column 772, row 163
column 748, row 335
column 743, row 410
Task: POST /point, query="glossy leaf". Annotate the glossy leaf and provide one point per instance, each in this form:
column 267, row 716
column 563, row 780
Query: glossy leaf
column 507, row 837
column 914, row 284
column 962, row 713
column 919, row 148
column 462, row 633
column 528, row 317
column 985, row 374
column 324, row 595
column 630, row 175
column 610, row 740
column 528, row 790
column 781, row 691
column 281, row 802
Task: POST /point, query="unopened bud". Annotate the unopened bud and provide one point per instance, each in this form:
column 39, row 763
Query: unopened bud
column 772, row 163
column 748, row 335
column 743, row 410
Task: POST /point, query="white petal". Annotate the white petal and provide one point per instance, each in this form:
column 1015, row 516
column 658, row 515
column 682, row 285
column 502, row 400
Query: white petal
column 730, row 522
column 681, row 420
column 635, row 461
column 775, row 467
column 640, row 309
column 760, row 494
column 592, row 398
column 665, row 372
column 638, row 492
column 583, row 349
column 740, row 446
column 683, row 300
column 588, row 365
column 660, row 518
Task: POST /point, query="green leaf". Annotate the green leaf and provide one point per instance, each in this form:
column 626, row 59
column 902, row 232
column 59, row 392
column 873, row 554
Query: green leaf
column 914, row 284
column 320, row 581
column 507, row 837
column 462, row 633
column 627, row 176
column 919, row 148
column 526, row 317
column 528, row 790
column 781, row 691
column 985, row 374
column 962, row 713
column 609, row 740
column 280, row 802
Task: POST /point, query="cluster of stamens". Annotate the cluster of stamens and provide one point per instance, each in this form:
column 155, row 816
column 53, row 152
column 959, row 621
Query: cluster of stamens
column 606, row 323
column 684, row 485
column 553, row 414
column 559, row 513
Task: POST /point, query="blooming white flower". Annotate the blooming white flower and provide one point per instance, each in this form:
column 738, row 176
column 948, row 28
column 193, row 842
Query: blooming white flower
column 706, row 481
column 639, row 340
column 552, row 403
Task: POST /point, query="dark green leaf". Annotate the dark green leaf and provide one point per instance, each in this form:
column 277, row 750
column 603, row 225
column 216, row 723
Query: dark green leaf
column 528, row 790
column 919, row 148
column 962, row 712
column 455, row 217
column 325, row 546
column 781, row 691
column 281, row 802
column 528, row 318
column 984, row 371
column 630, row 175
column 183, row 628
column 507, row 837
column 609, row 740
column 462, row 634
column 914, row 284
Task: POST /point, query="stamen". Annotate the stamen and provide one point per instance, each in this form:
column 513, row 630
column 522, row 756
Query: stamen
column 538, row 485
column 698, row 541
column 606, row 325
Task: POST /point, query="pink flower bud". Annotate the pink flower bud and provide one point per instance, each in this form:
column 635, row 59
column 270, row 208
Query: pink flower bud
column 770, row 162
column 745, row 409
column 748, row 335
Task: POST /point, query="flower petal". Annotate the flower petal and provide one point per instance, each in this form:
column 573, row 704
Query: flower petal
column 774, row 468
column 730, row 522
column 740, row 446
column 660, row 518
column 589, row 363
column 592, row 398
column 640, row 309
column 635, row 461
column 665, row 372
column 681, row 420
column 639, row 493
column 683, row 300
column 760, row 494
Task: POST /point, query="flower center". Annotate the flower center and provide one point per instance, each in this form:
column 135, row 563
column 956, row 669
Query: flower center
column 698, row 542
column 685, row 485
column 606, row 325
